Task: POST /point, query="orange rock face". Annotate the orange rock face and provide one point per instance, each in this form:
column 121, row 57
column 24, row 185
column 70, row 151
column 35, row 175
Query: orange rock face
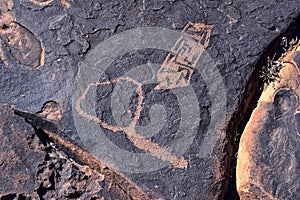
column 268, row 156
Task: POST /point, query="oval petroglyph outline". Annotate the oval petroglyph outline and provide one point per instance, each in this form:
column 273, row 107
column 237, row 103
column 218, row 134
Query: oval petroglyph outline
column 95, row 64
column 138, row 141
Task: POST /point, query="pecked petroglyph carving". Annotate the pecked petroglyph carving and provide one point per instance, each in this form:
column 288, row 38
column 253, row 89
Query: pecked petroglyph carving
column 41, row 3
column 139, row 141
column 25, row 47
column 175, row 71
column 179, row 65
column 64, row 3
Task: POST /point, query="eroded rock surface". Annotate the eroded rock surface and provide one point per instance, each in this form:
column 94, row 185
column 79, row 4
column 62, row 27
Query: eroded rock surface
column 52, row 37
column 32, row 168
column 21, row 154
column 268, row 158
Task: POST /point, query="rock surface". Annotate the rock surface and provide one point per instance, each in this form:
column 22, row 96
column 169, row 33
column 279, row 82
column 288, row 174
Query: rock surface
column 52, row 37
column 268, row 156
column 31, row 168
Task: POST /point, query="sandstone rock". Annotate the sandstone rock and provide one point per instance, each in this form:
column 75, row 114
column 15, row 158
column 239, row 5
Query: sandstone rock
column 268, row 156
column 63, row 36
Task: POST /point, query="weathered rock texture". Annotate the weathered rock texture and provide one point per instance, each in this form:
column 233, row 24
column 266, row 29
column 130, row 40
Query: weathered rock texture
column 42, row 43
column 31, row 168
column 268, row 157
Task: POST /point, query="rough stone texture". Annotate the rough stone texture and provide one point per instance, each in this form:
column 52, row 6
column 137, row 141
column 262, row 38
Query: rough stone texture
column 31, row 168
column 268, row 156
column 69, row 30
column 20, row 155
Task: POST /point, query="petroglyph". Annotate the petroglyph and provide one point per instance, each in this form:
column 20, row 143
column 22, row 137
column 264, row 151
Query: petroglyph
column 24, row 45
column 139, row 141
column 64, row 3
column 176, row 71
column 41, row 3
column 178, row 67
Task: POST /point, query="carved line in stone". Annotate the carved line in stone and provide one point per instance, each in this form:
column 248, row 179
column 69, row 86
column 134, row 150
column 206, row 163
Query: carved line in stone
column 64, row 3
column 139, row 141
column 178, row 66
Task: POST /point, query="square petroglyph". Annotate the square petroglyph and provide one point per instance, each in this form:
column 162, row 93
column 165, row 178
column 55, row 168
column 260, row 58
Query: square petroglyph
column 178, row 67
